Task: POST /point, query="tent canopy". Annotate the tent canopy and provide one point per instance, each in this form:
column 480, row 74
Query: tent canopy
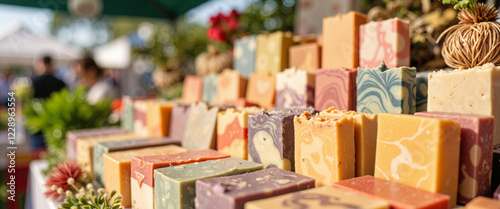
column 20, row 47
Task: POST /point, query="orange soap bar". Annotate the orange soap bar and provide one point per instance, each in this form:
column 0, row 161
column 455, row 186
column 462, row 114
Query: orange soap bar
column 305, row 57
column 398, row 195
column 483, row 203
column 341, row 40
column 260, row 89
column 158, row 118
column 230, row 86
column 192, row 89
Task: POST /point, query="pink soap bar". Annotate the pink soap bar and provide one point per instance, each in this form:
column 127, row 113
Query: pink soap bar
column 335, row 88
column 192, row 89
column 398, row 195
column 476, row 153
column 387, row 41
column 180, row 114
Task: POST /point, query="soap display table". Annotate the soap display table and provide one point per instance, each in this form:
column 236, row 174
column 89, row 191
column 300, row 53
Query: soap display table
column 35, row 195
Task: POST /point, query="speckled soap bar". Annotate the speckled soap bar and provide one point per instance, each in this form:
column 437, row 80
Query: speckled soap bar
column 175, row 186
column 232, row 192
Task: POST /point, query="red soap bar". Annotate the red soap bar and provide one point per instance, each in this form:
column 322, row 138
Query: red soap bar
column 398, row 195
column 142, row 167
column 335, row 88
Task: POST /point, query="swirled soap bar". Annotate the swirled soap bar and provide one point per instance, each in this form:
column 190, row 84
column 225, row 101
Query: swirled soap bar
column 231, row 86
column 324, row 148
column 471, row 91
column 210, row 88
column 421, row 92
column 419, row 151
column 200, row 128
column 335, row 88
column 294, row 88
column 319, row 198
column 384, row 90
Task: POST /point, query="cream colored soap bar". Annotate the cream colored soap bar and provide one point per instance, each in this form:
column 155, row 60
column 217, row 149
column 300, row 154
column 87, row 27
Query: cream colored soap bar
column 324, row 148
column 420, row 152
column 472, row 91
column 117, row 168
column 365, row 138
column 318, row 198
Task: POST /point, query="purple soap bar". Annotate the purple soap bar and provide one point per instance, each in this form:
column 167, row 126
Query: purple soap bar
column 495, row 182
column 71, row 137
column 335, row 88
column 233, row 192
column 476, row 150
column 180, row 113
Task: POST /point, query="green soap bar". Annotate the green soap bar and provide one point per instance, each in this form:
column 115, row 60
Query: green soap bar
column 175, row 186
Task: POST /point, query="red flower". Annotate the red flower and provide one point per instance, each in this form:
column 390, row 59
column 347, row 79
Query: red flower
column 216, row 34
column 234, row 14
column 233, row 24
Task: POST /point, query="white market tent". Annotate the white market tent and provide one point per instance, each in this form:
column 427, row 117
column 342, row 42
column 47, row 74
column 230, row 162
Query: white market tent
column 20, row 47
column 115, row 54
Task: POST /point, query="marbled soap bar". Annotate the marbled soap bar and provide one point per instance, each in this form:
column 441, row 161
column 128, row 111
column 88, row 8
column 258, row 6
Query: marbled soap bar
column 335, row 88
column 418, row 151
column 306, row 57
column 72, row 136
column 210, row 88
column 472, row 91
column 200, row 132
column 387, row 41
column 232, row 192
column 175, row 186
column 483, row 203
column 158, row 117
column 244, row 55
column 294, row 88
column 398, row 195
column 318, row 198
column 421, row 92
column 324, row 148
column 101, row 148
column 117, row 168
column 192, row 89
column 260, row 89
column 384, row 90
column 232, row 131
column 365, row 138
column 140, row 118
column 476, row 151
column 180, row 115
column 142, row 171
column 495, row 171
column 230, row 86
column 341, row 40
column 272, row 52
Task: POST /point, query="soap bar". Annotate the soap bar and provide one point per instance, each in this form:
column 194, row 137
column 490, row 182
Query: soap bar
column 201, row 127
column 240, row 103
column 398, row 195
column 175, row 186
column 244, row 55
column 117, row 168
column 230, row 86
column 261, row 89
column 421, row 92
column 483, row 203
column 384, row 90
column 272, row 52
column 294, row 88
column 210, row 88
column 232, row 192
column 495, row 171
column 72, row 136
column 318, row 198
column 324, row 148
column 476, row 151
column 472, row 91
column 365, row 138
column 180, row 115
column 335, row 88
column 85, row 148
column 419, row 151
column 142, row 171
column 192, row 89
column 341, row 40
column 496, row 195
column 387, row 41
column 293, row 110
column 101, row 148
column 305, row 57
column 140, row 118
column 127, row 116
column 232, row 132
column 158, row 118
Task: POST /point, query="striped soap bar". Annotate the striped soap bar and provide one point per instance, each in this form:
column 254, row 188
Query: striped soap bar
column 335, row 88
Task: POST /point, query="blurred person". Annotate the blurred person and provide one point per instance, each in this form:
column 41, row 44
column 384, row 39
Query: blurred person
column 45, row 83
column 92, row 76
column 6, row 80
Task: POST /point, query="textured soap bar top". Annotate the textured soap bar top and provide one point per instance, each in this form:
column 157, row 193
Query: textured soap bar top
column 210, row 88
column 175, row 186
column 233, row 192
column 230, row 86
column 384, row 90
column 398, row 195
column 472, row 91
column 192, row 89
column 200, row 128
column 335, row 88
column 294, row 88
column 180, row 115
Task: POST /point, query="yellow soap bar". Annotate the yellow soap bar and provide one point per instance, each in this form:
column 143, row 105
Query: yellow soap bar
column 365, row 138
column 483, row 203
column 117, row 168
column 420, row 152
column 318, row 198
column 158, row 118
column 324, row 148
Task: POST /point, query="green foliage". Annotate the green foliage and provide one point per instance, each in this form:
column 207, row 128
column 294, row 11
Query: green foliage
column 268, row 15
column 86, row 197
column 459, row 4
